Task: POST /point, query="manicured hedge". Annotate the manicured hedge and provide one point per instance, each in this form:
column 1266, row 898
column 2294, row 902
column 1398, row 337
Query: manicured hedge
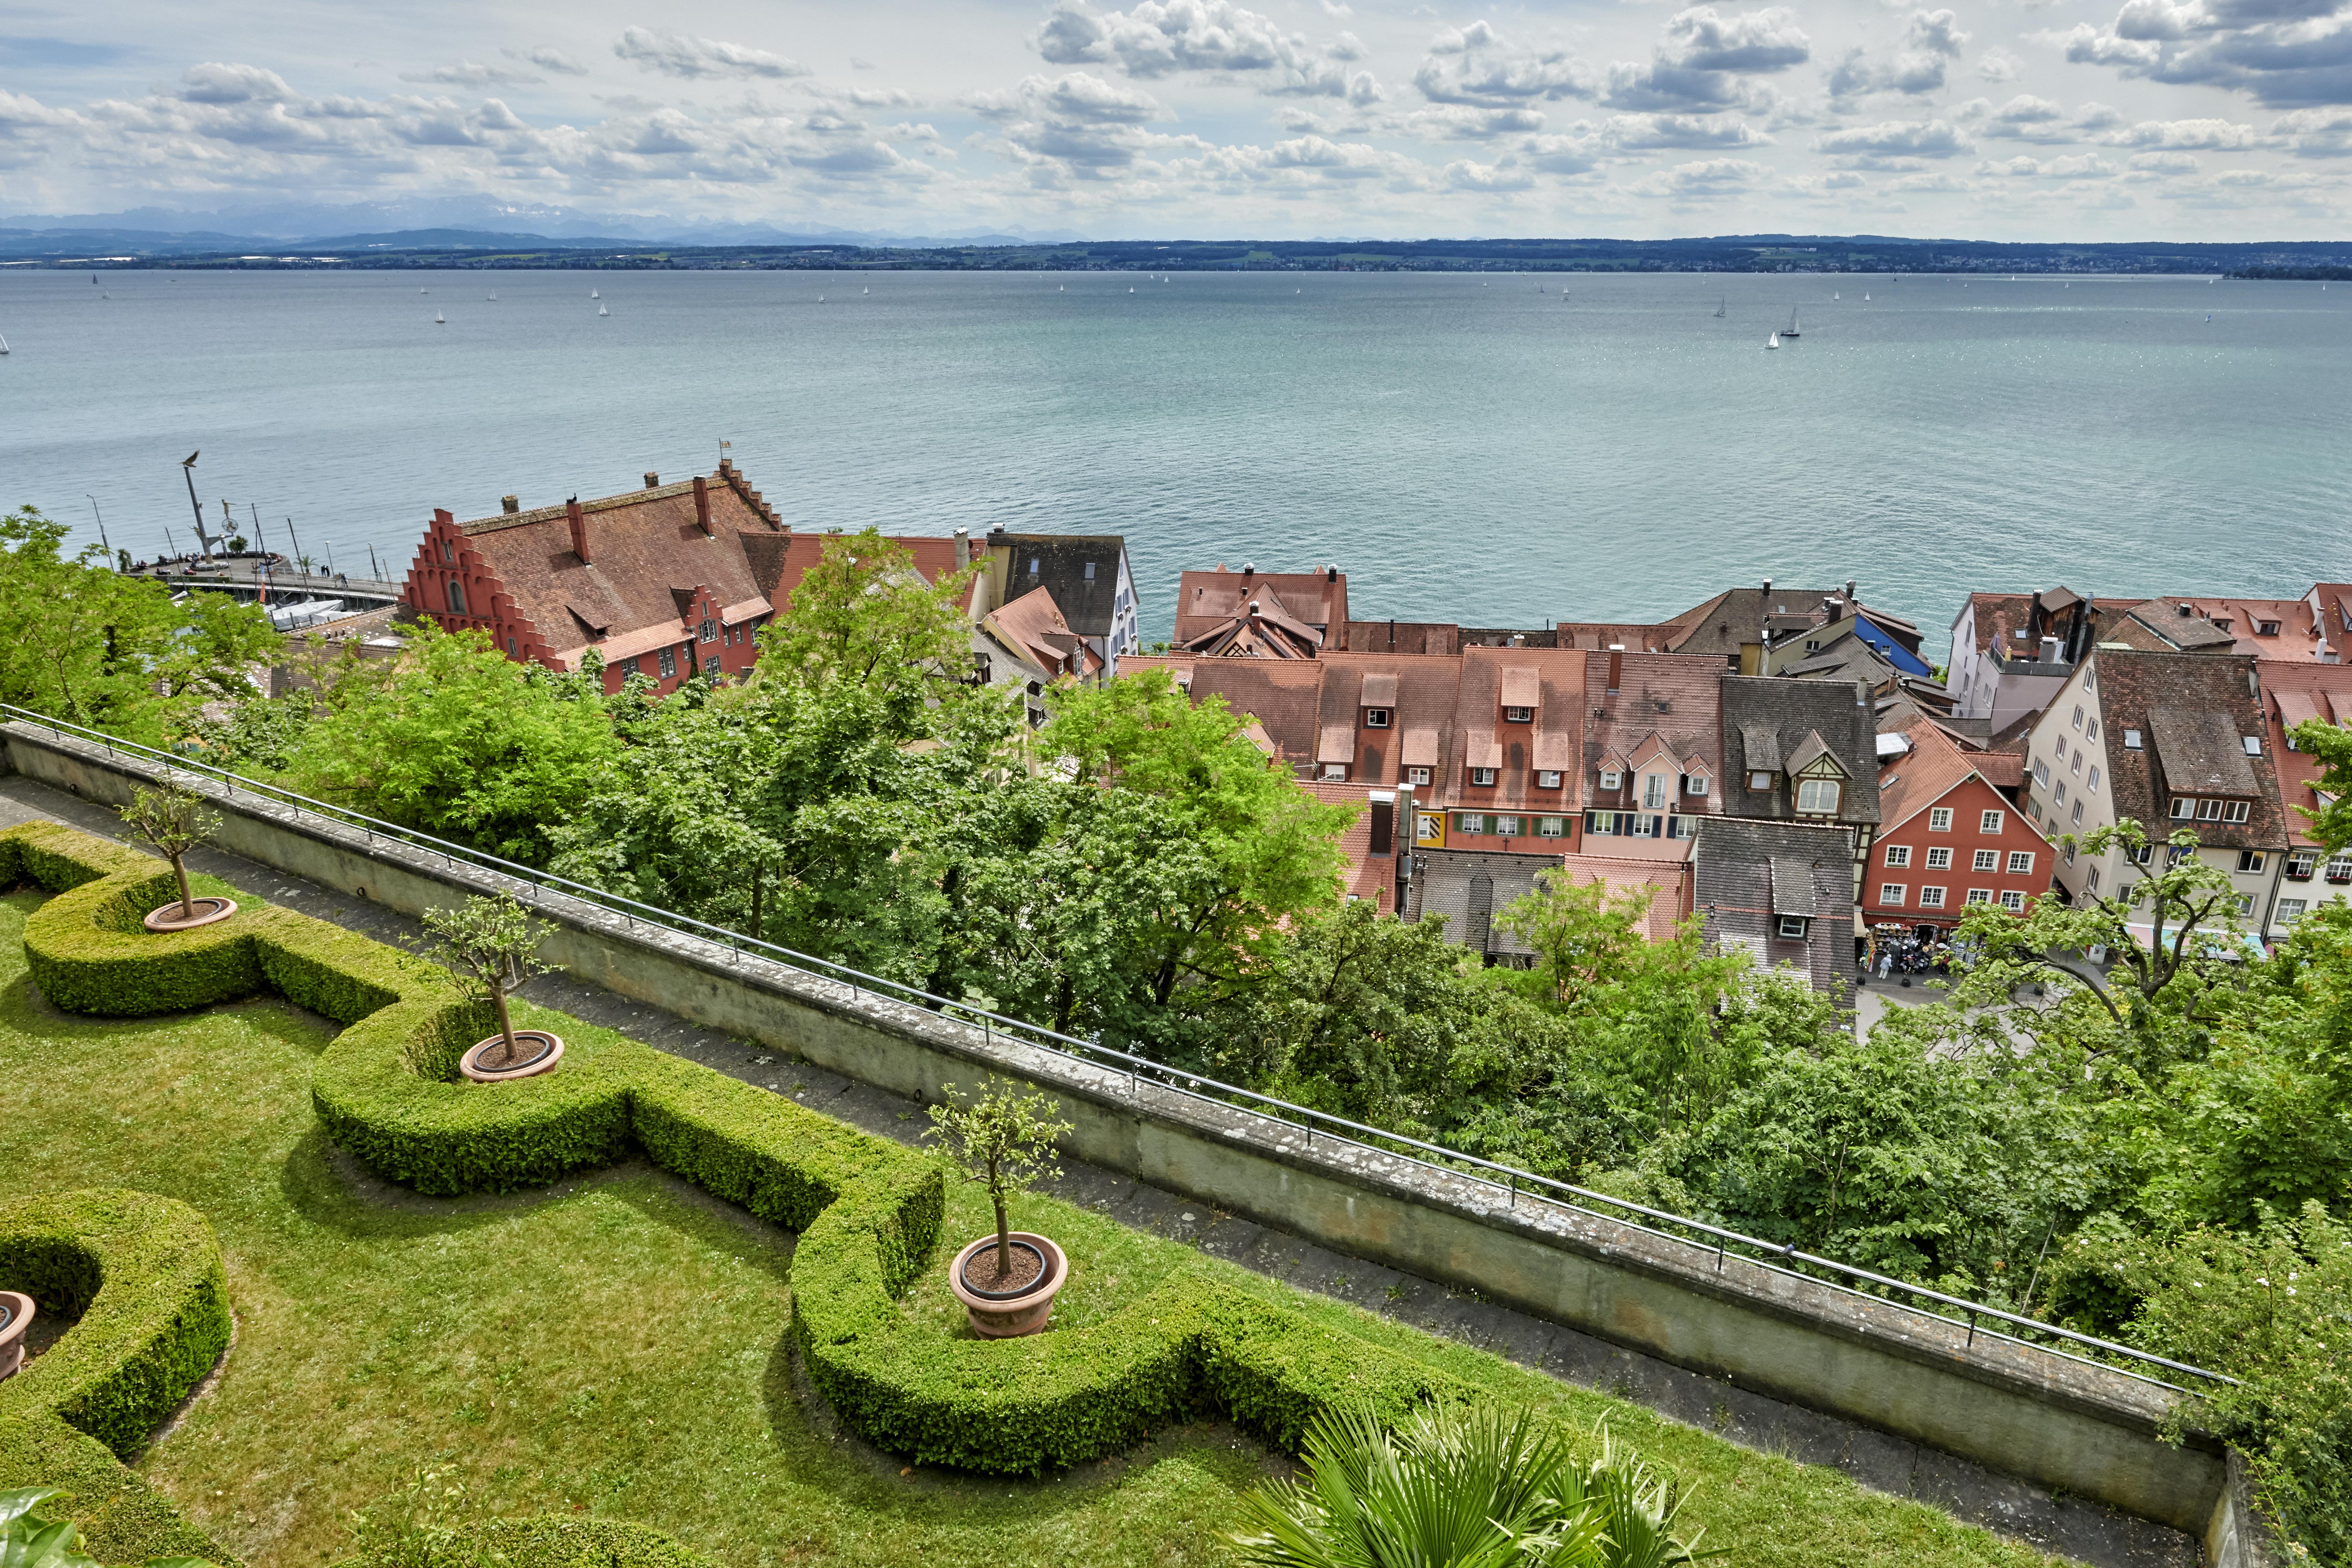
column 144, row 1274
column 560, row 1542
column 869, row 1210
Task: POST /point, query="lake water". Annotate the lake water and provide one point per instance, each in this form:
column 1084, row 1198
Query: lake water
column 1488, row 451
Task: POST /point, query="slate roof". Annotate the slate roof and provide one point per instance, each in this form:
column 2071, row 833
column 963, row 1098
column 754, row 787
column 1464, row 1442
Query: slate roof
column 646, row 550
column 1062, row 559
column 1721, row 625
column 2208, row 703
column 1767, row 721
column 1747, row 873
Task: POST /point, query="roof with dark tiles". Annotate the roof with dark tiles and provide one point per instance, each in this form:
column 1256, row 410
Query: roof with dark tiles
column 2207, row 702
column 1767, row 722
column 1747, row 874
column 1088, row 602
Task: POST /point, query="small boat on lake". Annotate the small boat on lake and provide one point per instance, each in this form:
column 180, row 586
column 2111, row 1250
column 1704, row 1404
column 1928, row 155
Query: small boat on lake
column 1773, row 342
column 1791, row 329
column 439, row 320
column 1720, row 305
column 602, row 311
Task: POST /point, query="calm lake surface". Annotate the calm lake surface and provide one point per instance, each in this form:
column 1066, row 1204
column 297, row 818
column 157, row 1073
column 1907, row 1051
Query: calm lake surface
column 1487, row 450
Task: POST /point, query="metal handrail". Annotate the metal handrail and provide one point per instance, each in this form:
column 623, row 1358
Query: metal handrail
column 1756, row 1252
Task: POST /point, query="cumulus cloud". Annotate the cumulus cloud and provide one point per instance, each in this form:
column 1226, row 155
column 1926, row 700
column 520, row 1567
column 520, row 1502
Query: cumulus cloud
column 1708, row 180
column 1645, row 133
column 1479, row 66
column 468, row 73
column 1931, row 43
column 1461, row 122
column 2027, row 118
column 1162, row 37
column 2287, row 54
column 555, row 60
column 2073, row 166
column 679, row 54
column 1079, row 124
column 215, row 83
column 1997, row 66
column 2315, row 132
column 2201, row 135
column 1702, row 63
column 1893, row 142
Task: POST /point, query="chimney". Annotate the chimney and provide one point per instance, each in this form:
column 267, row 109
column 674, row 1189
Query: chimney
column 1616, row 666
column 653, row 480
column 510, row 505
column 1253, row 606
column 726, row 465
column 2050, row 650
column 1249, row 569
column 1768, row 585
column 1331, row 572
column 579, row 529
column 1849, row 590
column 701, row 502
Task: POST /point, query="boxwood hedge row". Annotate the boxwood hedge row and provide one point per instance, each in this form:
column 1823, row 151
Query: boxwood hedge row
column 143, row 1273
column 869, row 1210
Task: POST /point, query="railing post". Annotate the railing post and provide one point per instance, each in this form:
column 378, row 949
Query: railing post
column 1972, row 1327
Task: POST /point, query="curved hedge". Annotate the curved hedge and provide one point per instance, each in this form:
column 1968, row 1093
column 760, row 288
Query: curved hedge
column 144, row 1274
column 869, row 1210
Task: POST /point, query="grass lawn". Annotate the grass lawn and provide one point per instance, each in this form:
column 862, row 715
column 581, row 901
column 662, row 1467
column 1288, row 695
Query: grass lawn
column 616, row 1345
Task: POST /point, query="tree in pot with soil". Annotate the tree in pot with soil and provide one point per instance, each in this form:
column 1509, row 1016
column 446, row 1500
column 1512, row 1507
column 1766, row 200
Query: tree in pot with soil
column 173, row 820
column 1004, row 1139
column 491, row 945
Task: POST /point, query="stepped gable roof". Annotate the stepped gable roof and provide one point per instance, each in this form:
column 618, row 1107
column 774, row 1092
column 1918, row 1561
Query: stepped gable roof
column 1676, row 697
column 2295, row 689
column 1667, row 884
column 783, row 560
column 1736, row 616
column 1791, row 720
column 1932, row 769
column 1282, row 695
column 1088, row 604
column 1418, row 691
column 646, row 551
column 1205, row 600
column 2207, row 703
column 1032, row 628
column 1493, row 677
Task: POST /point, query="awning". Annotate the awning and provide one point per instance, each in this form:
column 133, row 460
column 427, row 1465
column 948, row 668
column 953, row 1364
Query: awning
column 1380, row 691
column 1522, row 688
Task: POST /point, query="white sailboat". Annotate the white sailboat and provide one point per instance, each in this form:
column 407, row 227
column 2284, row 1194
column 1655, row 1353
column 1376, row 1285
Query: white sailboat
column 494, row 296
column 1865, row 296
column 602, row 311
column 866, row 290
column 1833, row 294
column 591, row 293
column 1720, row 305
column 1773, row 342
column 1791, row 329
column 4, row 345
column 439, row 320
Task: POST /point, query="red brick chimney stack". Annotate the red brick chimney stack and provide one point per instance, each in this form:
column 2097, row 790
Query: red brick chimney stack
column 579, row 529
column 701, row 504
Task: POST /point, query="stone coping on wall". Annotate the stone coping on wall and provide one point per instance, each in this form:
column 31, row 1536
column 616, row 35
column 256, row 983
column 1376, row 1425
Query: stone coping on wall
column 1160, row 1134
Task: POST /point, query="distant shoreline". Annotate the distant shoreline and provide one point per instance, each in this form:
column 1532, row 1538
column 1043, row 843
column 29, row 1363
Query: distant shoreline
column 2301, row 261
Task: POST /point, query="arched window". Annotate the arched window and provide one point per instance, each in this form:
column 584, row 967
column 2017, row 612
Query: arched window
column 457, row 597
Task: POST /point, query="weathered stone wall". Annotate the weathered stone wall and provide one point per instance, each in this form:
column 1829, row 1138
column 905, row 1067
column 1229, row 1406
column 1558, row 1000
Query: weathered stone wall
column 2058, row 1422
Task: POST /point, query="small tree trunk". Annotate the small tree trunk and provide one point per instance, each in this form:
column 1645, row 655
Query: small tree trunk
column 755, row 900
column 506, row 1025
column 187, row 902
column 1004, row 1236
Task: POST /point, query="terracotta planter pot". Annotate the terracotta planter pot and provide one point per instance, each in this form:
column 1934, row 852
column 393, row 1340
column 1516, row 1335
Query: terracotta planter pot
column 996, row 1318
column 549, row 1048
column 16, row 1314
column 209, row 911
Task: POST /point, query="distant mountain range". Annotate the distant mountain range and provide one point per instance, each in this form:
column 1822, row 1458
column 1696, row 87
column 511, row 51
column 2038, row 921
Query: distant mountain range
column 453, row 223
column 557, row 238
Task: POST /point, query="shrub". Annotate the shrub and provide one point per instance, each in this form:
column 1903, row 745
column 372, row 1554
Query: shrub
column 144, row 1274
column 28, row 1540
column 171, row 820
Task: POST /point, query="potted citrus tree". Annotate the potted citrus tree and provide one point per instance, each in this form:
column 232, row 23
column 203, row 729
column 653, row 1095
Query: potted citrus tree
column 173, row 820
column 491, row 945
column 1004, row 1139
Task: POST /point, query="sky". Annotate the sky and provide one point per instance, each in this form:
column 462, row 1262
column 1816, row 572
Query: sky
column 2047, row 119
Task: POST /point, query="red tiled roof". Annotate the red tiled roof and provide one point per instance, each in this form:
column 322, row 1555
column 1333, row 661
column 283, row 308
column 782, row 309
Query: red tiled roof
column 2293, row 689
column 1676, row 697
column 1032, row 625
column 1932, row 769
column 1418, row 691
column 1206, row 599
column 1482, row 739
column 1668, row 883
column 1280, row 694
column 1367, row 875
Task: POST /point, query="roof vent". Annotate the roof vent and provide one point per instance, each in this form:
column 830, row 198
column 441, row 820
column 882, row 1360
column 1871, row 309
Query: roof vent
column 1331, row 572
column 1253, row 606
column 653, row 480
column 1247, row 568
column 510, row 505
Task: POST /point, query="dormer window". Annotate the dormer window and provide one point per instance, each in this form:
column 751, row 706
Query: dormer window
column 1519, row 715
column 1792, row 928
column 2131, row 740
column 1484, row 777
column 2266, row 628
column 1610, row 778
column 1376, row 718
column 1694, row 784
column 1819, row 797
column 1759, row 779
column 2183, row 808
column 1653, row 790
column 1416, row 775
column 1547, row 778
column 1335, row 773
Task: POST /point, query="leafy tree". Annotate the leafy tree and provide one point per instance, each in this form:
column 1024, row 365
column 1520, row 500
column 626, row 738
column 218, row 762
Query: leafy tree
column 174, row 820
column 259, row 734
column 114, row 652
column 864, row 616
column 492, row 946
column 457, row 740
column 2331, row 744
column 1004, row 1139
column 1274, row 848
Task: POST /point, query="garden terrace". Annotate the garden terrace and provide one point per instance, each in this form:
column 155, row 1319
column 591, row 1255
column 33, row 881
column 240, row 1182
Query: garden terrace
column 456, row 1307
